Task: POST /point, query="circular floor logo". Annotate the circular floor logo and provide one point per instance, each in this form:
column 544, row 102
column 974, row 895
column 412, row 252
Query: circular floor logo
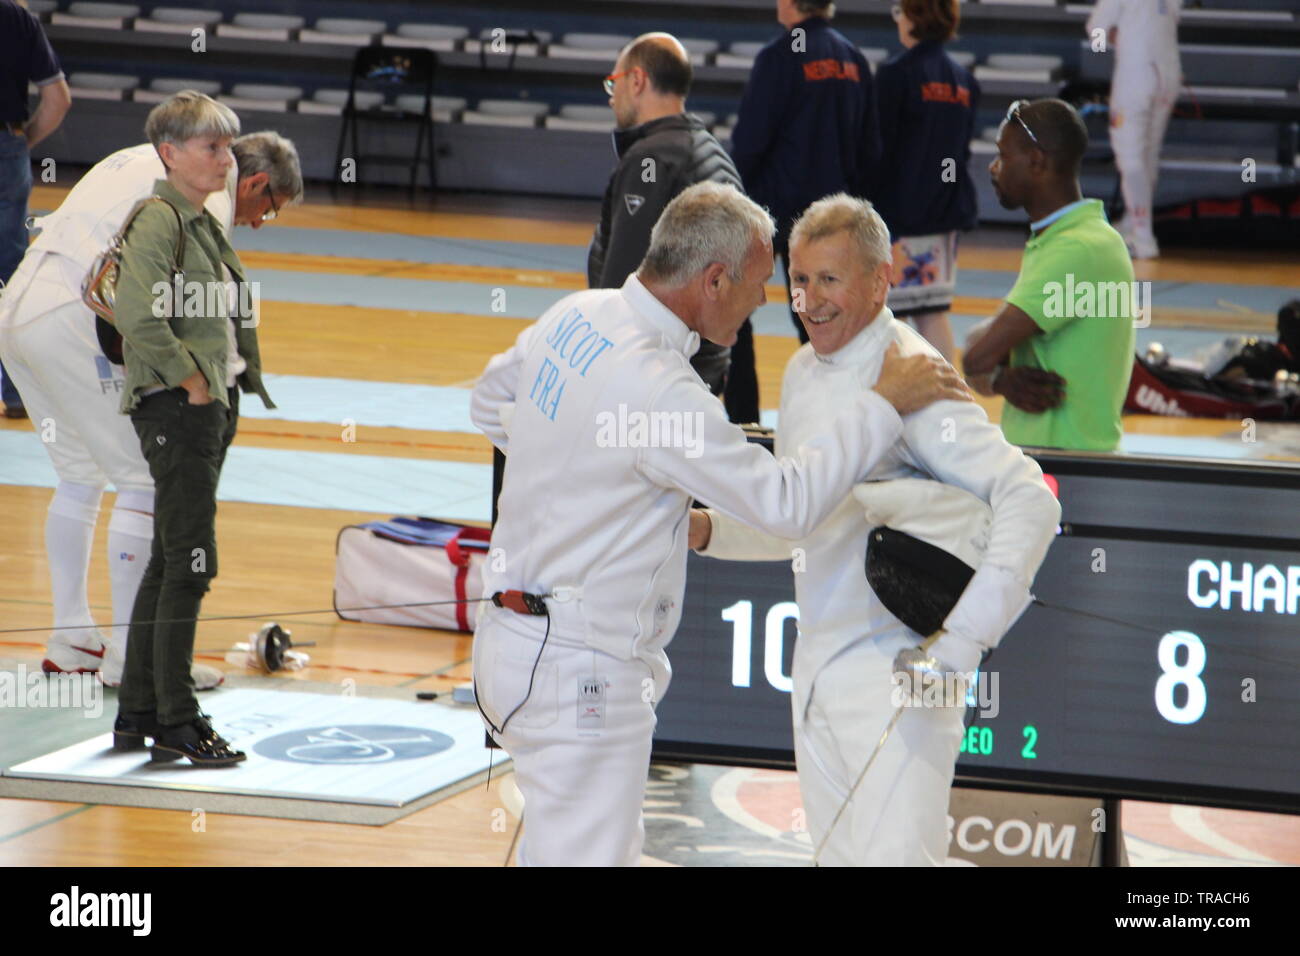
column 354, row 744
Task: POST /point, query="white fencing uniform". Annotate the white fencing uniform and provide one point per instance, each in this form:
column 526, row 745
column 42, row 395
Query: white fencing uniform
column 609, row 434
column 1143, row 90
column 72, row 393
column 843, row 658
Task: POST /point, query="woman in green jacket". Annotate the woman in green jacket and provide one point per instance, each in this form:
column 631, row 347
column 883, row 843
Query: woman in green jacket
column 188, row 342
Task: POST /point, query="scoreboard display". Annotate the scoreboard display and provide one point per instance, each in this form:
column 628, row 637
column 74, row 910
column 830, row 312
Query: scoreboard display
column 1161, row 662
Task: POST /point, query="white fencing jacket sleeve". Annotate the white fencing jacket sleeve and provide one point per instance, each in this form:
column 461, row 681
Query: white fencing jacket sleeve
column 732, row 540
column 492, row 403
column 786, row 496
column 955, row 442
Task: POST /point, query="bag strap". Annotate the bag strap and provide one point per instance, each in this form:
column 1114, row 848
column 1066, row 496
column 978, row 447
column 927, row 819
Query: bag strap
column 460, row 556
column 178, row 256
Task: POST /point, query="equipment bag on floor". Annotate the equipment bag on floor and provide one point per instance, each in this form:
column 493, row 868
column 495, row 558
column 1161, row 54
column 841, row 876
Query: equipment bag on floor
column 410, row 561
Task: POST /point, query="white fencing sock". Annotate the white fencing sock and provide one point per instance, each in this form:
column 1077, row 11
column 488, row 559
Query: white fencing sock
column 130, row 538
column 69, row 537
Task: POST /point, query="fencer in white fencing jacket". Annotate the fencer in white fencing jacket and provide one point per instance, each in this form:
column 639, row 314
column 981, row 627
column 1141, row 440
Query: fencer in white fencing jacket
column 953, row 442
column 80, row 229
column 609, row 434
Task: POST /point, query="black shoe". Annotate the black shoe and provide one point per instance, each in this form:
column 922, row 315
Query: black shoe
column 196, row 740
column 130, row 730
column 15, row 411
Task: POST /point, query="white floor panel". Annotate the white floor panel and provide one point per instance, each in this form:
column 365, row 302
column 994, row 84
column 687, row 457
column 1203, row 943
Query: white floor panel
column 330, row 747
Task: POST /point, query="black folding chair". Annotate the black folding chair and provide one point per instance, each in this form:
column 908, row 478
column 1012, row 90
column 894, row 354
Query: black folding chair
column 391, row 70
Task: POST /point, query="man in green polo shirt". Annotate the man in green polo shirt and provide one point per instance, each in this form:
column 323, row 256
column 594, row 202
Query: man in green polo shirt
column 1060, row 351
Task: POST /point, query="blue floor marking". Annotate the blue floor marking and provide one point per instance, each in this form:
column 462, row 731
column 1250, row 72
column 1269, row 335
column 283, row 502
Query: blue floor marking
column 457, row 491
column 374, row 404
column 414, row 249
column 419, row 295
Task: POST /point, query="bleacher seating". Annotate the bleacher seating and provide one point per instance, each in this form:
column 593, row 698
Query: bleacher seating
column 739, row 55
column 1241, row 58
column 491, row 37
column 1019, row 68
column 163, row 87
column 101, row 86
column 331, row 102
column 701, row 51
column 603, row 47
column 261, row 26
column 264, row 97
column 523, row 113
column 432, row 36
column 445, row 109
column 109, row 16
column 177, row 20
column 345, row 31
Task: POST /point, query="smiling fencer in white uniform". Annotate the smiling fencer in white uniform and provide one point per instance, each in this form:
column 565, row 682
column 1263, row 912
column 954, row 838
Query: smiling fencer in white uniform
column 844, row 656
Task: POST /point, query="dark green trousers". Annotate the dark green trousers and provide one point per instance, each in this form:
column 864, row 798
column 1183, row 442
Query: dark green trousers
column 185, row 446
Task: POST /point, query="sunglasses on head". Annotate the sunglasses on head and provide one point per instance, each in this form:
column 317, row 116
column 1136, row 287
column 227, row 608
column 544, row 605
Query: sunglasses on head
column 1013, row 112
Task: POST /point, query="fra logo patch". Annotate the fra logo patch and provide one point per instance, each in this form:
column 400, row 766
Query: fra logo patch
column 633, row 203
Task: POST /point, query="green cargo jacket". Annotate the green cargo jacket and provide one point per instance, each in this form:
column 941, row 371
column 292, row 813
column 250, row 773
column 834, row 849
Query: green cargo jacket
column 167, row 337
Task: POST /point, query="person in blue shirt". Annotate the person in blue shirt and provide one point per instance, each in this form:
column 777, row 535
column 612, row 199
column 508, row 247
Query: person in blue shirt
column 926, row 105
column 807, row 124
column 25, row 57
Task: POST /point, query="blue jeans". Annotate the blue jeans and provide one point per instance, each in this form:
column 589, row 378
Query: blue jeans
column 15, row 188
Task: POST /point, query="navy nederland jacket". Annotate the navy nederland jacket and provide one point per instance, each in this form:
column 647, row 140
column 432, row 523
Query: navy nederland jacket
column 807, row 125
column 927, row 105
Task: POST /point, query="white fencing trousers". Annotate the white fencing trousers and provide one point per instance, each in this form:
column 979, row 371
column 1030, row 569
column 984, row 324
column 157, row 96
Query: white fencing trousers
column 898, row 816
column 73, row 394
column 581, row 756
column 1139, row 116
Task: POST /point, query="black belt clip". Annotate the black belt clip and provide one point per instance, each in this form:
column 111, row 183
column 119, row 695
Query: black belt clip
column 521, row 602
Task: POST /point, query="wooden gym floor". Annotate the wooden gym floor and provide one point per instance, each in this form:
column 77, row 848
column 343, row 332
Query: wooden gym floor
column 277, row 557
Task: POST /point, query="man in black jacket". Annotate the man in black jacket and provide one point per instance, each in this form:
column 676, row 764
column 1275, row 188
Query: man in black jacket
column 662, row 150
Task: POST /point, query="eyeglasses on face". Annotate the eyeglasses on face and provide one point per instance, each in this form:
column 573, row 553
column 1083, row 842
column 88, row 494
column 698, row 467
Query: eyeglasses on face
column 608, row 82
column 274, row 210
